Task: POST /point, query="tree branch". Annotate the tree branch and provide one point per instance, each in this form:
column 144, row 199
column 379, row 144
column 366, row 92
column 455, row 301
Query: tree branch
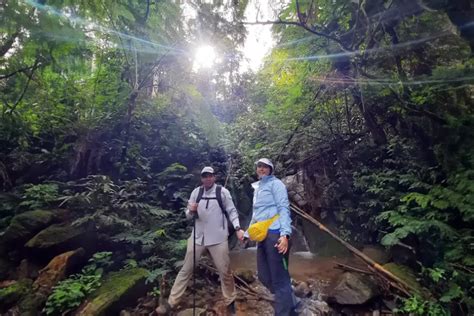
column 20, row 97
column 20, row 70
column 304, row 26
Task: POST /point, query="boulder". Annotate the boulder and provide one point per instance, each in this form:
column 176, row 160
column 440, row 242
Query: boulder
column 354, row 289
column 118, row 289
column 48, row 277
column 55, row 236
column 59, row 238
column 12, row 293
column 377, row 253
column 24, row 226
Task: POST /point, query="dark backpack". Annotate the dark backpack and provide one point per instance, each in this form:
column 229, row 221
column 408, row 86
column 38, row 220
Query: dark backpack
column 218, row 197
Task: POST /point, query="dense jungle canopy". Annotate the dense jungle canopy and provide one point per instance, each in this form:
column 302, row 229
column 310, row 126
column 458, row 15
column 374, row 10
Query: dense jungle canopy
column 107, row 116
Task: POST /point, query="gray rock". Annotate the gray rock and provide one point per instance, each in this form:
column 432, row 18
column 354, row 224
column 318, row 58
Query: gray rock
column 302, row 290
column 354, row 289
column 314, row 308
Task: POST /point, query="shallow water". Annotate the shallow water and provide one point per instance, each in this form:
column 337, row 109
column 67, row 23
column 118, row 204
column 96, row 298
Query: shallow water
column 302, row 265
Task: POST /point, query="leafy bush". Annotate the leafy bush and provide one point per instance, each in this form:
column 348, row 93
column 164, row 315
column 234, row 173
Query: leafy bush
column 419, row 307
column 39, row 195
column 106, row 204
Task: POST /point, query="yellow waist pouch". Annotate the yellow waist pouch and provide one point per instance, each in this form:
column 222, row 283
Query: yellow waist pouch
column 258, row 231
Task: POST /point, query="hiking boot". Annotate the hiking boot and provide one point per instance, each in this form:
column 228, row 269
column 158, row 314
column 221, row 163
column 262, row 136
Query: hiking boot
column 163, row 309
column 231, row 309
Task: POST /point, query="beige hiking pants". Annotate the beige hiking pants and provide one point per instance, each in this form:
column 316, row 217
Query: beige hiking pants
column 220, row 257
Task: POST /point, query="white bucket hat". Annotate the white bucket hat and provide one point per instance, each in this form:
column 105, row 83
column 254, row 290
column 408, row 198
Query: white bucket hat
column 268, row 162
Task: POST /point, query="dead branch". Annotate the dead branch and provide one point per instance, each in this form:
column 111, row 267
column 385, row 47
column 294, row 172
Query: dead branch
column 350, row 268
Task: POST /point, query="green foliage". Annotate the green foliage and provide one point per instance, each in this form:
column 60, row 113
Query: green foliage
column 146, row 240
column 99, row 200
column 417, row 306
column 417, row 205
column 70, row 293
column 156, row 274
column 39, row 196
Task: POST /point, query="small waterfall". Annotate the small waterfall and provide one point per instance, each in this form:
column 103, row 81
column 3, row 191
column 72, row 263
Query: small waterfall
column 298, row 241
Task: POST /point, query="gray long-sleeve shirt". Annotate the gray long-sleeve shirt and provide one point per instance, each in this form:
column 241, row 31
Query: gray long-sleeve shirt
column 211, row 227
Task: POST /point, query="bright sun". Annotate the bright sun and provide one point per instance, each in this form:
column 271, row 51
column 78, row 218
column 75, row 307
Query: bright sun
column 205, row 57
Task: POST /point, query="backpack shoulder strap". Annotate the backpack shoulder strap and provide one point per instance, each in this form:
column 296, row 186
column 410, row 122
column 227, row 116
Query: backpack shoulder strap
column 219, row 200
column 200, row 193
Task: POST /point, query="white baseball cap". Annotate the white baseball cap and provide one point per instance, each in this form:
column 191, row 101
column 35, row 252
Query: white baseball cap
column 207, row 170
column 266, row 161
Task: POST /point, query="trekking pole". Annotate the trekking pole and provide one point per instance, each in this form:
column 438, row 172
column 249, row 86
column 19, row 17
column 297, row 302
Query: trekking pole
column 194, row 263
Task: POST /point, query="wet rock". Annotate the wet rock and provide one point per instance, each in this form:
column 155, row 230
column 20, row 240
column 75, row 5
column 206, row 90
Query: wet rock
column 314, row 308
column 245, row 274
column 302, row 289
column 377, row 253
column 189, row 312
column 48, row 277
column 354, row 289
column 23, row 227
column 12, row 293
column 117, row 290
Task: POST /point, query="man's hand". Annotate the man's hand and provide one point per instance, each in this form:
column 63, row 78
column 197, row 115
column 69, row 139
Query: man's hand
column 192, row 207
column 240, row 234
column 282, row 244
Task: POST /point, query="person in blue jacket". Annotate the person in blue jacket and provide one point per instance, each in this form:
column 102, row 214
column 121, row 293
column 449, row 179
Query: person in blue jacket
column 271, row 198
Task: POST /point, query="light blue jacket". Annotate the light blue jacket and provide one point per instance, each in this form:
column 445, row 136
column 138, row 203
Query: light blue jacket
column 270, row 198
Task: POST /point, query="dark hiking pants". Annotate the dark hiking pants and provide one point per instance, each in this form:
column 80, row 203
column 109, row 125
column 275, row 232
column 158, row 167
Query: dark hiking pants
column 273, row 273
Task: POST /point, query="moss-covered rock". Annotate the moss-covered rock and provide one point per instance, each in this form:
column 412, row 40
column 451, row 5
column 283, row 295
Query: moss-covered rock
column 24, row 226
column 12, row 294
column 118, row 288
column 55, row 236
column 405, row 274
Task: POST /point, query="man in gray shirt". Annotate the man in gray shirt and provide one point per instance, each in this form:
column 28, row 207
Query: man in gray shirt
column 211, row 234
